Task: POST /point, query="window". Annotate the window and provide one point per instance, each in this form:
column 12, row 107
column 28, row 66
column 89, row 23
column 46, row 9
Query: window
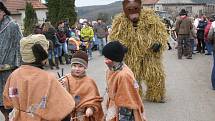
column 189, row 9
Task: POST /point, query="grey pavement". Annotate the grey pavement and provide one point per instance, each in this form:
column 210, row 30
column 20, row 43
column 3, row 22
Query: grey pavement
column 188, row 86
column 189, row 93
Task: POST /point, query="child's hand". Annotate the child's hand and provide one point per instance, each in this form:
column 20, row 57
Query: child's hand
column 89, row 112
column 62, row 81
column 144, row 117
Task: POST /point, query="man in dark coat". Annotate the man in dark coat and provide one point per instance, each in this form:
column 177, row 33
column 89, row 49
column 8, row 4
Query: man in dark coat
column 184, row 26
column 10, row 35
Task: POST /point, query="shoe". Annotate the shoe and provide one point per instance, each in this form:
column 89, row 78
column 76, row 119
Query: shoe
column 163, row 100
column 68, row 62
column 61, row 61
column 56, row 63
column 208, row 54
column 51, row 64
column 57, row 67
column 189, row 57
column 67, row 59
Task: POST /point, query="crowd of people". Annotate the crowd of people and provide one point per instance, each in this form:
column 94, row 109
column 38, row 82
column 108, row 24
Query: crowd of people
column 191, row 34
column 65, row 40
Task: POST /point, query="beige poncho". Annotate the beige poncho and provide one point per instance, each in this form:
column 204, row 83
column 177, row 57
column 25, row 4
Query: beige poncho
column 35, row 95
column 123, row 91
column 84, row 87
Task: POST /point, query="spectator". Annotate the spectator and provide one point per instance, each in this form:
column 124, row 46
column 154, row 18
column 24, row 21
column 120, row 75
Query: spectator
column 87, row 35
column 10, row 59
column 50, row 33
column 184, row 27
column 100, row 30
column 63, row 40
column 200, row 34
column 211, row 38
column 206, row 31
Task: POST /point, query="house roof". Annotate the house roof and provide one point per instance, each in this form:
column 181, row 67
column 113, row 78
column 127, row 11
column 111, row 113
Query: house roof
column 174, row 1
column 145, row 2
column 38, row 5
column 15, row 5
column 150, row 1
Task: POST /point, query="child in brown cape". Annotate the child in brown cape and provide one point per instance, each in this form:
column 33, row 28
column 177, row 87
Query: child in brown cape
column 123, row 102
column 32, row 93
column 84, row 90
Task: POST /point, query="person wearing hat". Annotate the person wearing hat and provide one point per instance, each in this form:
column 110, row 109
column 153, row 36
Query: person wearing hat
column 123, row 99
column 10, row 35
column 184, row 26
column 83, row 89
column 32, row 93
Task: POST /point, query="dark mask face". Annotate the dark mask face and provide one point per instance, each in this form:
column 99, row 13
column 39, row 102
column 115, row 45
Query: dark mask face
column 132, row 9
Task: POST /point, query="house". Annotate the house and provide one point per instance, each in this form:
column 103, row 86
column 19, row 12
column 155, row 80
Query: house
column 174, row 6
column 17, row 9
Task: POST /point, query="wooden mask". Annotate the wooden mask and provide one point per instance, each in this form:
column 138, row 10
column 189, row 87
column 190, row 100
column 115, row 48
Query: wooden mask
column 132, row 9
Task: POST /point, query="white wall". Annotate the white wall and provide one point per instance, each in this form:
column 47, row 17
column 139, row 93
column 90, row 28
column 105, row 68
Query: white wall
column 196, row 9
column 41, row 16
column 17, row 18
column 176, row 8
column 158, row 7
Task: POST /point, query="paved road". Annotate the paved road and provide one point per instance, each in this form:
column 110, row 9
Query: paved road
column 189, row 94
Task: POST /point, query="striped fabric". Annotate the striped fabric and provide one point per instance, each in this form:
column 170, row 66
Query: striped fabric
column 9, row 48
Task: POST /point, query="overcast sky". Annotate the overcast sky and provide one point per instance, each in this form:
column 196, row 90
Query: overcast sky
column 80, row 3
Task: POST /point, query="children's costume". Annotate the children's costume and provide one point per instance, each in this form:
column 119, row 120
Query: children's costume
column 84, row 91
column 34, row 94
column 123, row 100
column 86, row 95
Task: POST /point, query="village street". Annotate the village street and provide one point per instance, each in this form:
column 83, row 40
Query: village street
column 188, row 86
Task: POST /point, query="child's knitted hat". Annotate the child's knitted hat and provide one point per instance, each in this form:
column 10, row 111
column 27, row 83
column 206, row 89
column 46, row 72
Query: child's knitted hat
column 114, row 51
column 80, row 57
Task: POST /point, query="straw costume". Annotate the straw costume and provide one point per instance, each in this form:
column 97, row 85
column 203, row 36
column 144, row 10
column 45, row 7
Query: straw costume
column 145, row 36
